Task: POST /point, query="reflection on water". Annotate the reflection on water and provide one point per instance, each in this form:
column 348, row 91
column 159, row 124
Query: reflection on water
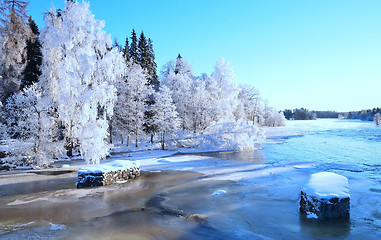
column 246, row 156
column 259, row 195
column 334, row 228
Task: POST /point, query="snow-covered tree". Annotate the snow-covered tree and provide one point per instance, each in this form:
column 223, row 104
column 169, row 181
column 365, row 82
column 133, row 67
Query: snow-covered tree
column 166, row 117
column 77, row 71
column 274, row 118
column 133, row 94
column 250, row 102
column 31, row 119
column 183, row 67
column 225, row 90
column 377, row 118
column 14, row 34
column 180, row 86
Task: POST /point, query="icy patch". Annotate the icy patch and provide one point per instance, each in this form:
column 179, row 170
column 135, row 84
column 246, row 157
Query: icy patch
column 56, row 227
column 66, row 166
column 327, row 185
column 311, row 215
column 218, row 192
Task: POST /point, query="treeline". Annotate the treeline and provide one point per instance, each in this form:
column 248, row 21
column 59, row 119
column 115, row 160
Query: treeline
column 305, row 114
column 364, row 115
column 299, row 114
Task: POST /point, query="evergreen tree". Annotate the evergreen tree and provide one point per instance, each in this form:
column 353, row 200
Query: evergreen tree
column 153, row 79
column 117, row 45
column 33, row 56
column 133, row 50
column 14, row 33
column 126, row 53
column 143, row 51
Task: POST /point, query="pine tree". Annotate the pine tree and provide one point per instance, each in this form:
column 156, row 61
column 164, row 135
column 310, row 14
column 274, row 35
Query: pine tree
column 33, row 58
column 126, row 53
column 14, row 33
column 133, row 50
column 153, row 79
column 117, row 45
column 143, row 51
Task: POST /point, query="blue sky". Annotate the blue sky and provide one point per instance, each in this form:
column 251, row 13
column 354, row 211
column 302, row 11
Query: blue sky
column 321, row 55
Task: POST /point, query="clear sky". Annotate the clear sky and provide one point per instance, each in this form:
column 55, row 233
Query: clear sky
column 321, row 55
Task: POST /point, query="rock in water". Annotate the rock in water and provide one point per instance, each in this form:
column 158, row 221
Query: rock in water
column 109, row 173
column 326, row 195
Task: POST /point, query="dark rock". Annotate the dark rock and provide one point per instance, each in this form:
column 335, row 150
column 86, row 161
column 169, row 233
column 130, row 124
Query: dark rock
column 3, row 154
column 325, row 196
column 322, row 208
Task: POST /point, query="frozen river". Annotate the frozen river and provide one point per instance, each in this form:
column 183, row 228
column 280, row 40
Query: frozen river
column 222, row 195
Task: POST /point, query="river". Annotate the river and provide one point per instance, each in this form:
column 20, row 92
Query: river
column 219, row 195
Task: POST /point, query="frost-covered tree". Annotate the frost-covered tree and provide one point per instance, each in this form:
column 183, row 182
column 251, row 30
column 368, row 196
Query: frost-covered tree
column 180, row 85
column 131, row 105
column 183, row 67
column 166, row 117
column 201, row 107
column 77, row 71
column 274, row 118
column 31, row 119
column 225, row 90
column 377, row 118
column 250, row 103
column 14, row 34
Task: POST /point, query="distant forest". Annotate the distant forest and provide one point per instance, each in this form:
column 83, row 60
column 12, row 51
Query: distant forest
column 305, row 114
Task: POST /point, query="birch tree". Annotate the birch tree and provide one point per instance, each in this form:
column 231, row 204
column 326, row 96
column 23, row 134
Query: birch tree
column 78, row 70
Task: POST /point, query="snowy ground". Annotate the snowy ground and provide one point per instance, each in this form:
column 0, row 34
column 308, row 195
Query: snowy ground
column 192, row 195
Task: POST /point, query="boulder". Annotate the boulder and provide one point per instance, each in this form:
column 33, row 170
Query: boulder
column 325, row 196
column 109, row 173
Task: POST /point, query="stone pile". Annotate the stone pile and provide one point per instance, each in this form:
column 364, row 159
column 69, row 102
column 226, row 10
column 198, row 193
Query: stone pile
column 106, row 174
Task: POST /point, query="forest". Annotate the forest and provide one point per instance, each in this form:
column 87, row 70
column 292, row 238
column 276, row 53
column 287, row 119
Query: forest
column 69, row 90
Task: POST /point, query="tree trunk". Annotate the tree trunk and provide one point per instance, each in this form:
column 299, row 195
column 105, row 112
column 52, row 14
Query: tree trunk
column 162, row 141
column 110, row 129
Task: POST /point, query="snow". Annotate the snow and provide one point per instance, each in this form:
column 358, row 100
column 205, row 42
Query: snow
column 327, row 185
column 218, row 192
column 110, row 166
column 56, row 227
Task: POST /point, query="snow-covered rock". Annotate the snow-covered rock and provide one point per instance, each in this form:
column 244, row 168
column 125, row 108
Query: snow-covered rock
column 326, row 195
column 108, row 173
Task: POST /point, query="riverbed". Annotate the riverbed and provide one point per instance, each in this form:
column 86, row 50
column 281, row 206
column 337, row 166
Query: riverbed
column 214, row 195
